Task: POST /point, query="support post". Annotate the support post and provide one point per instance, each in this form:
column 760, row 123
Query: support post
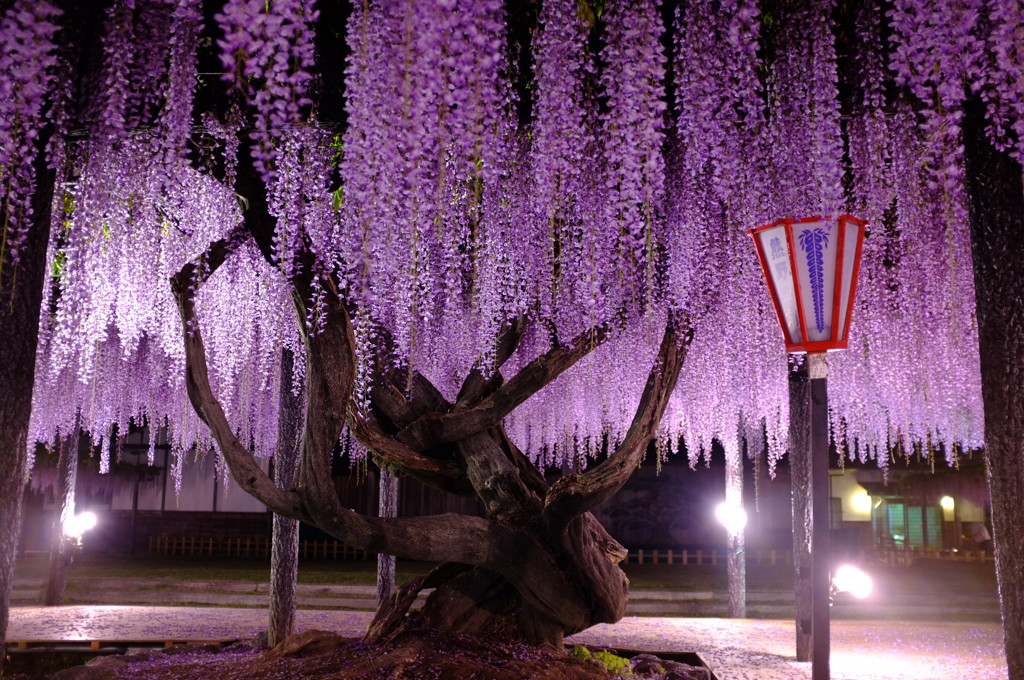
column 736, row 562
column 387, row 506
column 820, row 549
column 958, row 528
column 800, row 489
column 284, row 549
column 62, row 549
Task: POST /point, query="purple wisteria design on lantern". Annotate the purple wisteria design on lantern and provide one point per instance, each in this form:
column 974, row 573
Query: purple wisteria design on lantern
column 814, row 242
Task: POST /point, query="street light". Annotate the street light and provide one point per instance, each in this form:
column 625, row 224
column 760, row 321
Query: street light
column 732, row 516
column 811, row 267
column 850, row 579
column 76, row 526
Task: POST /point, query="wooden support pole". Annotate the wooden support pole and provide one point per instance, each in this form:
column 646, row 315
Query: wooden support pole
column 820, row 493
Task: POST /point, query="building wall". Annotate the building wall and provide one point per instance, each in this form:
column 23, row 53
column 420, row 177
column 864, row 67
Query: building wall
column 202, row 489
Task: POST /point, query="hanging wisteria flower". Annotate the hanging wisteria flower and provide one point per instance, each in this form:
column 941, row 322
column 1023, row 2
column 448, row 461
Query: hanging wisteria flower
column 633, row 134
column 1002, row 75
column 28, row 62
column 267, row 52
column 459, row 195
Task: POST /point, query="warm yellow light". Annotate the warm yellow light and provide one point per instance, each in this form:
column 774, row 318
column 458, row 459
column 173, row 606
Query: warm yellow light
column 947, row 502
column 861, row 502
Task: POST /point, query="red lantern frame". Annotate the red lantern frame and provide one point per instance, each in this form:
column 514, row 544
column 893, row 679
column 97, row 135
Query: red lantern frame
column 803, row 343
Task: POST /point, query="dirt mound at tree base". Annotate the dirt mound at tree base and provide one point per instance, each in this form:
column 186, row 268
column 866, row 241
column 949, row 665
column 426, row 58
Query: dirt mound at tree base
column 323, row 656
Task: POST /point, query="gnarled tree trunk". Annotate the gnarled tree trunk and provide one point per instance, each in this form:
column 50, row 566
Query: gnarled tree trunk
column 21, row 294
column 538, row 565
column 997, row 236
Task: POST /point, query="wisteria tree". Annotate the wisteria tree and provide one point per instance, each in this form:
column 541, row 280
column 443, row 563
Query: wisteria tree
column 504, row 244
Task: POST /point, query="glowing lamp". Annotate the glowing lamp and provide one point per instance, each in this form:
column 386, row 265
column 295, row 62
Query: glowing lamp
column 861, row 502
column 850, row 579
column 79, row 524
column 733, row 517
column 811, row 267
column 947, row 502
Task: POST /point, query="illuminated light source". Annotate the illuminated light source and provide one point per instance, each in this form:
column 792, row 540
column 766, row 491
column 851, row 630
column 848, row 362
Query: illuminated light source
column 850, row 579
column 733, row 517
column 79, row 524
column 861, row 502
column 947, row 502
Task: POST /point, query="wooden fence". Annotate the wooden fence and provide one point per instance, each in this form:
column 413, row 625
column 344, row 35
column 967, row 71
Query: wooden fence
column 193, row 546
column 707, row 557
column 785, row 557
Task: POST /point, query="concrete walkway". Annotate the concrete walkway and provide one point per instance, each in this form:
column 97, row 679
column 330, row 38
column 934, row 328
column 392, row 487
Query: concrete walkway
column 742, row 649
column 939, row 603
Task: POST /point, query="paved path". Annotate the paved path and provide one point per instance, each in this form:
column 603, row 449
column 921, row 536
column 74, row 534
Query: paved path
column 901, row 604
column 742, row 649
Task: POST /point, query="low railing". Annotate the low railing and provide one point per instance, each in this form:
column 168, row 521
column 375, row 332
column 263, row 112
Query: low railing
column 706, row 557
column 205, row 546
column 195, row 546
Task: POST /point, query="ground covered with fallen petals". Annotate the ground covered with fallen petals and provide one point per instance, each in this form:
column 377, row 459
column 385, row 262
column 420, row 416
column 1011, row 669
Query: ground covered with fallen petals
column 321, row 655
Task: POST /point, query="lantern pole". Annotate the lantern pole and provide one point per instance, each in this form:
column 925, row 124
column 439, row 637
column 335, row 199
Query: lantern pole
column 820, row 499
column 811, row 271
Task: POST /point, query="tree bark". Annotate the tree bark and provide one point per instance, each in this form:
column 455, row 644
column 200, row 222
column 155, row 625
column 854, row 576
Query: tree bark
column 736, row 560
column 21, row 294
column 800, row 485
column 997, row 236
column 284, row 557
column 61, row 549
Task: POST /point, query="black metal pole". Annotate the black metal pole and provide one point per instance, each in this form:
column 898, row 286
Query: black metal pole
column 820, row 549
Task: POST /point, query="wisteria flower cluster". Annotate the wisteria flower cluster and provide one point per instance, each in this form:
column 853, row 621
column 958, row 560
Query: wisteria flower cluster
column 268, row 47
column 1003, row 74
column 463, row 191
column 632, row 129
column 28, row 61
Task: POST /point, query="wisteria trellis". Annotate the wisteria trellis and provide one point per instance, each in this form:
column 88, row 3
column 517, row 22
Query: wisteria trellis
column 443, row 212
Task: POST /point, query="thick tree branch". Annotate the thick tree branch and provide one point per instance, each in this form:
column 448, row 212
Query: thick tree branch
column 476, row 387
column 467, row 540
column 575, row 494
column 330, row 354
column 440, row 428
column 496, row 480
column 330, row 376
column 402, row 401
column 395, row 453
column 528, row 472
column 249, row 475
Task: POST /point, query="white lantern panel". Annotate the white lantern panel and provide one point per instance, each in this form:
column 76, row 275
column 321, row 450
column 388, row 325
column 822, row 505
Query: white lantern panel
column 850, row 235
column 776, row 254
column 816, row 244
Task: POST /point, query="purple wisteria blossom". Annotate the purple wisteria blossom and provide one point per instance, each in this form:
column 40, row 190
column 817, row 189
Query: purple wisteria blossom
column 443, row 212
column 28, row 62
